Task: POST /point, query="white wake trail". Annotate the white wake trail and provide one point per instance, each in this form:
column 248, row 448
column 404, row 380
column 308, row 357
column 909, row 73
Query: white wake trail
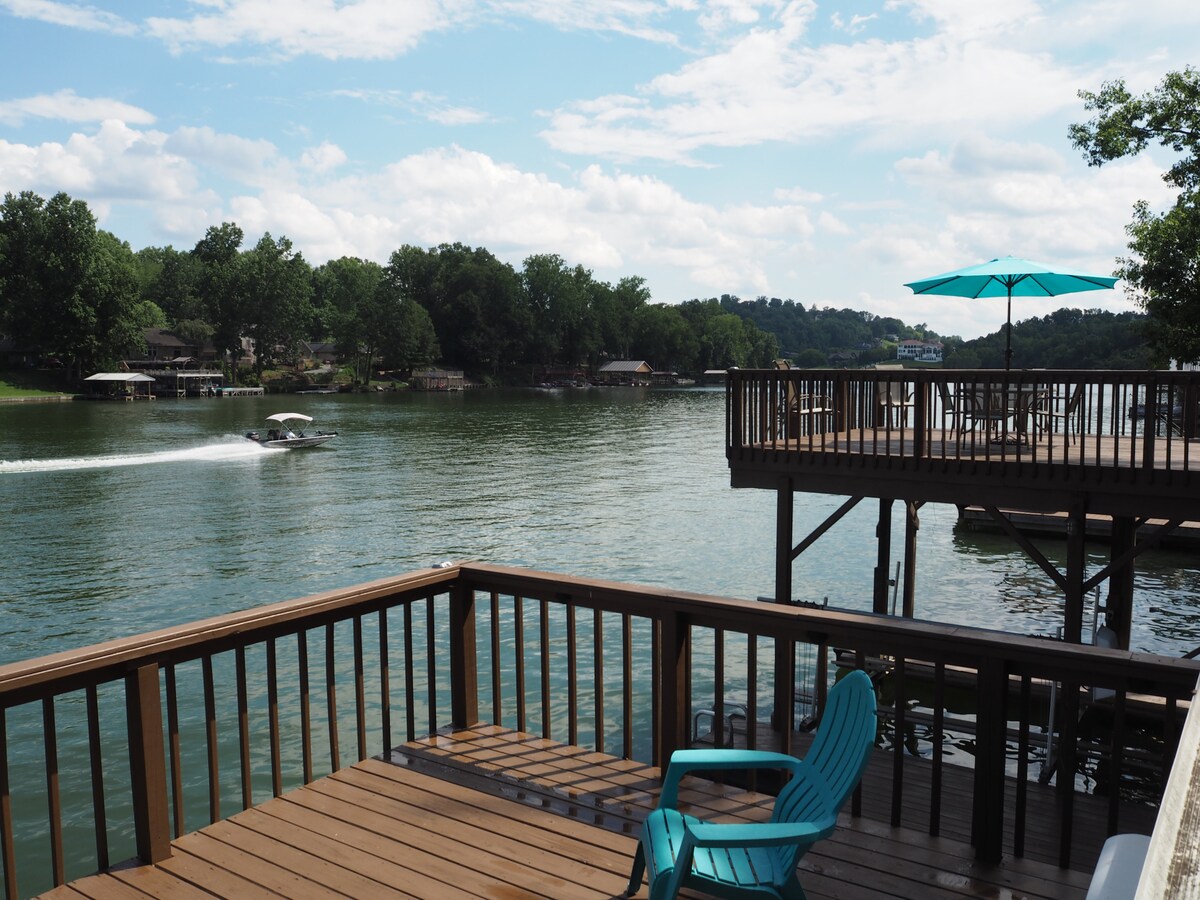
column 223, row 452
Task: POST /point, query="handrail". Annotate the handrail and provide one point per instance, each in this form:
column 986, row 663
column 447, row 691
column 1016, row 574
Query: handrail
column 1119, row 430
column 474, row 645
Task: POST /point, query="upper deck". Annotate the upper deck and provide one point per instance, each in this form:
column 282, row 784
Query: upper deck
column 1116, row 443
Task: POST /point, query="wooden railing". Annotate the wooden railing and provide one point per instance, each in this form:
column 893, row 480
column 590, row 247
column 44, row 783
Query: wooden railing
column 148, row 737
column 1144, row 421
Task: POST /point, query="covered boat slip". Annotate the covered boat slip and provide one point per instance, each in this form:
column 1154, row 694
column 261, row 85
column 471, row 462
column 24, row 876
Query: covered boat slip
column 119, row 386
column 489, row 812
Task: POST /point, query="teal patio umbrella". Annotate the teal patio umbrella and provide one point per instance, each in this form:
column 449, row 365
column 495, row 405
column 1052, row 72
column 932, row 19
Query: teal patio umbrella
column 1009, row 277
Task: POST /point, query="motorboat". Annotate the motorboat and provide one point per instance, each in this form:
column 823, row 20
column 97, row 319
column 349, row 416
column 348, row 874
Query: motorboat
column 288, row 431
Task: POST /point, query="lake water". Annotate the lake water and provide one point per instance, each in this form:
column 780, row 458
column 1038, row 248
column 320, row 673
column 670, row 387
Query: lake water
column 121, row 518
column 124, row 518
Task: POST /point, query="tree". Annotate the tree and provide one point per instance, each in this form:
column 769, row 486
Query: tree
column 219, row 284
column 67, row 288
column 1162, row 273
column 349, row 290
column 276, row 288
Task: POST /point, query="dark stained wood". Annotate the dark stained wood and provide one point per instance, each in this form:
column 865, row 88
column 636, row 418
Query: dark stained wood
column 146, row 764
column 491, row 812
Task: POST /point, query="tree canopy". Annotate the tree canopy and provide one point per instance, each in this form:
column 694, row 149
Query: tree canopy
column 1163, row 271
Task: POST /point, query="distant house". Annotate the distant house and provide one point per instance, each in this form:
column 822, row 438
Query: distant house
column 921, row 351
column 321, row 352
column 625, row 371
column 843, row 358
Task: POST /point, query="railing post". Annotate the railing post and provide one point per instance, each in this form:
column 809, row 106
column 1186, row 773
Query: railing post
column 147, row 764
column 673, row 708
column 464, row 680
column 987, row 814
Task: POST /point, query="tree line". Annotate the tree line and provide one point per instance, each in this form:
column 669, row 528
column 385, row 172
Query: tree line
column 73, row 291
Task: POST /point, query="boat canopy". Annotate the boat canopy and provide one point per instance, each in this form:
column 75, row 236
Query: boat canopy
column 126, row 377
column 283, row 417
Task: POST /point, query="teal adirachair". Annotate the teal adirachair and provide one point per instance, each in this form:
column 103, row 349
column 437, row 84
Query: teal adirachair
column 740, row 861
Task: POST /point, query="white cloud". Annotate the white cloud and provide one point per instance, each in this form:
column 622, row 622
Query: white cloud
column 67, row 106
column 359, row 29
column 323, row 158
column 772, row 85
column 70, row 15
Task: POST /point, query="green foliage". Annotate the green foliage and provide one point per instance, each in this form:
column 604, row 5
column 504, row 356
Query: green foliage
column 66, row 288
column 1162, row 273
column 1064, row 339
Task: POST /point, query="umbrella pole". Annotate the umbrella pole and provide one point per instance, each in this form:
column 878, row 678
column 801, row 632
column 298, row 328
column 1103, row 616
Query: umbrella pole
column 1008, row 334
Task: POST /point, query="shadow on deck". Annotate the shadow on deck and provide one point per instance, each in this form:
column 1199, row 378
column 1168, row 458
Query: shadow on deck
column 490, row 812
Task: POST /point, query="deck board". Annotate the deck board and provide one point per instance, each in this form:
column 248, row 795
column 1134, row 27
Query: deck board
column 489, row 812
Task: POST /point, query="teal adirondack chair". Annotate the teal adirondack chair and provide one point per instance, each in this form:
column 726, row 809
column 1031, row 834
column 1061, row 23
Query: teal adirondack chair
column 740, row 861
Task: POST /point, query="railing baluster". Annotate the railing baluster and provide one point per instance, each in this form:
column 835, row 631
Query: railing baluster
column 243, row 719
column 1022, row 768
column 173, row 752
column 598, row 677
column 410, row 689
column 97, row 766
column 939, row 735
column 519, row 658
column 751, row 693
column 544, row 647
column 626, row 686
column 431, row 665
column 572, row 679
column 53, row 797
column 899, row 720
column 497, row 694
column 7, row 852
column 719, row 687
column 360, row 691
column 385, row 689
column 335, row 758
column 210, row 734
column 273, row 719
column 306, row 746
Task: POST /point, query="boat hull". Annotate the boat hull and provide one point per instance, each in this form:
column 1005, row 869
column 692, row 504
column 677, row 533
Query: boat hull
column 296, row 443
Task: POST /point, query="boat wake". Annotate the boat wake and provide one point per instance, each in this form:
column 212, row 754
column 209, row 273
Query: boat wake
column 226, row 451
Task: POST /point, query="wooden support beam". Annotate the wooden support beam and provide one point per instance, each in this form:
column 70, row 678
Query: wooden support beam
column 1131, row 551
column 825, row 526
column 883, row 535
column 1118, row 607
column 1076, row 560
column 912, row 524
column 987, row 813
column 784, row 655
column 1024, row 543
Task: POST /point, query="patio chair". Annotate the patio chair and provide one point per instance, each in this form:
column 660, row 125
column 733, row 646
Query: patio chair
column 986, row 403
column 758, row 859
column 891, row 396
column 1048, row 415
column 950, row 411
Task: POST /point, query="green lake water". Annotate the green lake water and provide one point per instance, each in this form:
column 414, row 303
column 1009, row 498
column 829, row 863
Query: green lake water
column 121, row 518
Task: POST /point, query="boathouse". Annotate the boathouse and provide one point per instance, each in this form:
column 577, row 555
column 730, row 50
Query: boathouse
column 625, row 371
column 119, row 386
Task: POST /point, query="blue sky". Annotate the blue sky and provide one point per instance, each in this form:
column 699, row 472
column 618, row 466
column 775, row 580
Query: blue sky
column 822, row 152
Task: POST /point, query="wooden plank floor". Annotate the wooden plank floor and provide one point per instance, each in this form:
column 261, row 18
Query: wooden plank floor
column 493, row 813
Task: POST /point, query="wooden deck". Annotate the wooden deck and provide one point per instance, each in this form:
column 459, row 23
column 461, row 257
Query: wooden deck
column 490, row 812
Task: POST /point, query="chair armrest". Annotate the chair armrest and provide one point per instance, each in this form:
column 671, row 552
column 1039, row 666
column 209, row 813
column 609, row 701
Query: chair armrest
column 760, row 834
column 684, row 761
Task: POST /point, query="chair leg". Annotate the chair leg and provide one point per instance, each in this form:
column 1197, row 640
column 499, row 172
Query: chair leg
column 639, row 867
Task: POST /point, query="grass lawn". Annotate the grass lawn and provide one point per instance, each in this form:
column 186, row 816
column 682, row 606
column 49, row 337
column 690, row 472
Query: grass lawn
column 22, row 384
